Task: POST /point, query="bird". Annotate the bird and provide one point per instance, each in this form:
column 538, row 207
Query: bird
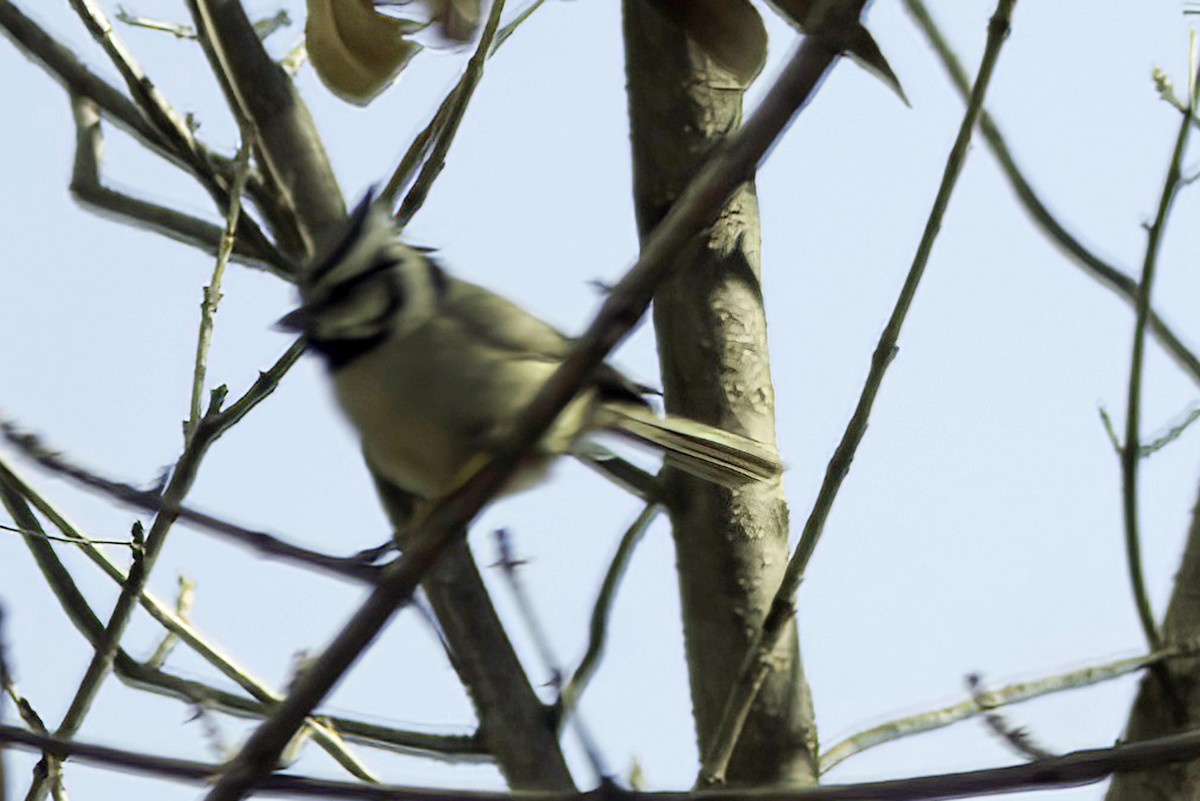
column 432, row 372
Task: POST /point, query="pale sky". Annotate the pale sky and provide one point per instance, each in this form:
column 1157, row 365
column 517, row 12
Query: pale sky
column 979, row 528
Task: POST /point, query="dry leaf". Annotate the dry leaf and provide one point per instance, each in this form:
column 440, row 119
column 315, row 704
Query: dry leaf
column 357, row 51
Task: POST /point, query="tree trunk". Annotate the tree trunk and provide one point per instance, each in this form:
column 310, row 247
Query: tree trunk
column 731, row 546
column 514, row 725
column 1168, row 700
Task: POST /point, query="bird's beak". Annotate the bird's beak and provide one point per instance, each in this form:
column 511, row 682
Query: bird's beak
column 295, row 321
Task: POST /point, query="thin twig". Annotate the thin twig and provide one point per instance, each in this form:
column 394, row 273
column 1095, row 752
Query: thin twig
column 65, row 67
column 758, row 656
column 212, row 292
column 1010, row 694
column 1131, row 455
column 210, row 428
column 154, row 105
column 1170, row 433
column 458, row 101
column 185, row 600
column 143, row 676
column 307, row 200
column 446, row 520
column 265, row 26
column 598, row 627
column 150, row 501
column 418, row 149
column 1075, row 768
column 170, row 124
column 87, row 187
column 516, row 22
column 162, row 26
column 16, row 491
column 1017, row 737
column 52, row 538
column 510, row 567
column 1086, row 259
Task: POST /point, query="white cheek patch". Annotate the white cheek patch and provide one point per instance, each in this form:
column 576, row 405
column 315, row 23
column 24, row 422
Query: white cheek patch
column 364, row 313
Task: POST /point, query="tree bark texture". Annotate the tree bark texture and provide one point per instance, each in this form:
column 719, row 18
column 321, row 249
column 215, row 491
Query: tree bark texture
column 731, row 546
column 1168, row 700
column 514, row 725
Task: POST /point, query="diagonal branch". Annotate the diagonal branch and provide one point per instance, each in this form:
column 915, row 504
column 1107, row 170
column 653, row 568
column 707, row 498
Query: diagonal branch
column 455, row 107
column 757, row 664
column 574, row 687
column 88, row 188
column 445, row 522
column 1125, row 287
column 210, row 428
column 65, row 67
column 65, row 590
column 211, row 171
column 419, row 148
column 514, row 723
column 150, row 501
column 17, row 492
column 289, row 147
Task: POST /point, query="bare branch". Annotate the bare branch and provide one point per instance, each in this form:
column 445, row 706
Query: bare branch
column 212, row 292
column 978, row 702
column 1086, row 259
column 78, row 80
column 1131, row 456
column 15, row 492
column 150, row 501
column 456, row 107
column 445, row 522
column 1076, row 768
column 15, row 489
column 418, row 149
column 65, row 67
column 166, row 120
column 510, row 566
column 758, row 658
column 1017, row 737
column 598, row 628
column 88, row 189
column 290, row 149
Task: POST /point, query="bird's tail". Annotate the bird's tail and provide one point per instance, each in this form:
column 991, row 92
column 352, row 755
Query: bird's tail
column 701, row 450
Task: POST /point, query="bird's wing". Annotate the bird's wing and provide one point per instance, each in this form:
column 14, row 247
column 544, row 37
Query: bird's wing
column 517, row 334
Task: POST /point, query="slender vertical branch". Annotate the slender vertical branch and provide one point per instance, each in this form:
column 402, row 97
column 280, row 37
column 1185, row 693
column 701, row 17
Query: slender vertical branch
column 418, row 149
column 1131, row 450
column 598, row 627
column 758, row 663
column 212, row 292
column 454, row 102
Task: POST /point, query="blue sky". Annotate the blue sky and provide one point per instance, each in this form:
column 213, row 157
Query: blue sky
column 979, row 529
